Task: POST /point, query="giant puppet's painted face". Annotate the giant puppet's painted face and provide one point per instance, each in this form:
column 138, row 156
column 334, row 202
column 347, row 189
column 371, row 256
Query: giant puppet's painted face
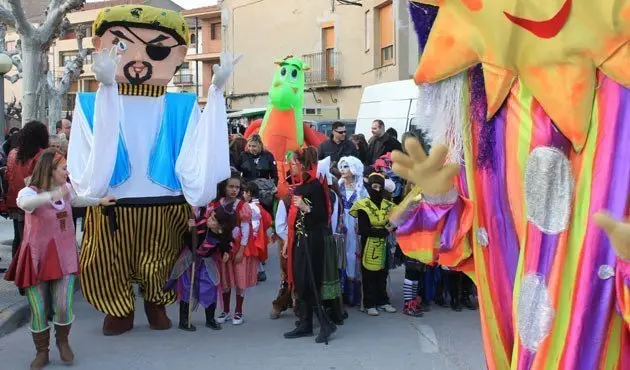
column 287, row 87
column 553, row 47
column 152, row 42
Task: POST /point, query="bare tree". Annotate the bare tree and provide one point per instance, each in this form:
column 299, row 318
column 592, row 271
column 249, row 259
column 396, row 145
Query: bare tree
column 14, row 54
column 72, row 71
column 36, row 42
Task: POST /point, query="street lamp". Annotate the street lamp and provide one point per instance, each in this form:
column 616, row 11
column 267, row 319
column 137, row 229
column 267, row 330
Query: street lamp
column 6, row 64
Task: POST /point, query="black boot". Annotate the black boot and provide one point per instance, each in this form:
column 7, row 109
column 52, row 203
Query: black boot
column 454, row 282
column 326, row 328
column 336, row 312
column 210, row 320
column 305, row 325
column 468, row 303
column 184, row 320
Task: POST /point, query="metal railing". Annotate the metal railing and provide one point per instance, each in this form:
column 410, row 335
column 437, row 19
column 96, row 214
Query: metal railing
column 183, row 79
column 324, row 68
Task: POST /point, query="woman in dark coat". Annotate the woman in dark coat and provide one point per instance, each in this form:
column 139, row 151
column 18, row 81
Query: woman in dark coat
column 256, row 162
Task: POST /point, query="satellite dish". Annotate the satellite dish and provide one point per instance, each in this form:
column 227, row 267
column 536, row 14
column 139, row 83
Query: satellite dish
column 225, row 16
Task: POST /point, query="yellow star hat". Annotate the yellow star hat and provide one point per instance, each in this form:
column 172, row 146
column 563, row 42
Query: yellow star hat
column 554, row 47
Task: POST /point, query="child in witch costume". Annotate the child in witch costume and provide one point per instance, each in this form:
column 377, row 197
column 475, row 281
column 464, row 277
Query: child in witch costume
column 308, row 222
column 240, row 271
column 372, row 214
column 214, row 229
column 47, row 264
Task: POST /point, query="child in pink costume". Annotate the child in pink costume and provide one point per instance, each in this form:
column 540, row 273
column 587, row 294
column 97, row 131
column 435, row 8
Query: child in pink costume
column 47, row 261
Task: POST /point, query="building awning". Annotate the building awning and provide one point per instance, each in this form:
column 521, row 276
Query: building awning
column 247, row 112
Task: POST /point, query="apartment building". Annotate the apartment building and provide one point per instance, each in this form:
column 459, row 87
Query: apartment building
column 347, row 47
column 204, row 51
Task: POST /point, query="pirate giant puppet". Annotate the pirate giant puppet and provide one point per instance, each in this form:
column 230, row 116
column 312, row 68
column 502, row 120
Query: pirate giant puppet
column 156, row 152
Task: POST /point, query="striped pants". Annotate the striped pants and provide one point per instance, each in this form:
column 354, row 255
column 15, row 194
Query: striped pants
column 142, row 250
column 62, row 293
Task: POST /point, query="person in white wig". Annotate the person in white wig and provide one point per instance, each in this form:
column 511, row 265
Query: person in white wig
column 352, row 189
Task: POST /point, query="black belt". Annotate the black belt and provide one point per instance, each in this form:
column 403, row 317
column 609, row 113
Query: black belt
column 110, row 213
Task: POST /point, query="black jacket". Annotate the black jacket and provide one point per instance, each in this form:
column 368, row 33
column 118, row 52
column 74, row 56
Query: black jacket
column 336, row 151
column 381, row 146
column 260, row 166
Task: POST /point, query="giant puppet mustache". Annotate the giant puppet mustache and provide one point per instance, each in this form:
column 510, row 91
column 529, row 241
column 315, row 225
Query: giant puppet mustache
column 137, row 80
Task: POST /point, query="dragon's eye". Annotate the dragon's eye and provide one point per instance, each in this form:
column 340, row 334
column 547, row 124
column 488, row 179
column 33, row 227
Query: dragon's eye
column 283, row 71
column 294, row 75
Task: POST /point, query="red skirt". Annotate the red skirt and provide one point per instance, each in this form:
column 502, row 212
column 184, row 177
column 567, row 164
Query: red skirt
column 25, row 272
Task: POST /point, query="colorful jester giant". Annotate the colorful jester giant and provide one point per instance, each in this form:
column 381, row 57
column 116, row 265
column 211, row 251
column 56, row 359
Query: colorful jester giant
column 282, row 129
column 542, row 128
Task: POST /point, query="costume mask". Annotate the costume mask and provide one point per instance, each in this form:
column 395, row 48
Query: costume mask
column 151, row 42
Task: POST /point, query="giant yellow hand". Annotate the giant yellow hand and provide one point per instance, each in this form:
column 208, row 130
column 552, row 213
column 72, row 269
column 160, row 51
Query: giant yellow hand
column 429, row 173
column 617, row 231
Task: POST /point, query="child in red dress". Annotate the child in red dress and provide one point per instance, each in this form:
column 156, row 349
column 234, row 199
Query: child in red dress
column 241, row 270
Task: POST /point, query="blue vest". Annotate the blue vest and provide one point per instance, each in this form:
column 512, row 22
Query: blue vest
column 177, row 111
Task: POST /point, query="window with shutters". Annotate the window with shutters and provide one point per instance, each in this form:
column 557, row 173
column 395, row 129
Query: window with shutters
column 386, row 33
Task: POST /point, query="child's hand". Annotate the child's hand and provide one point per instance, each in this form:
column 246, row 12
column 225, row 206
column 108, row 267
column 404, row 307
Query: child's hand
column 239, row 256
column 226, row 257
column 285, row 248
column 107, row 201
column 191, row 223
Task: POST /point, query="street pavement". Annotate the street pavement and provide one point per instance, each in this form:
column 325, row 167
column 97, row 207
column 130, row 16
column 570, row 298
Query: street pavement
column 442, row 339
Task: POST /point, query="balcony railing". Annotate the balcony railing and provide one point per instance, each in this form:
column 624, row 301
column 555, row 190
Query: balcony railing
column 324, row 70
column 183, row 79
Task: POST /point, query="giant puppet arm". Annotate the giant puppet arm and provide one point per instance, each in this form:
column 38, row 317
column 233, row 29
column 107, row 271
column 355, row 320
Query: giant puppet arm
column 204, row 160
column 93, row 147
column 311, row 137
column 619, row 235
column 432, row 224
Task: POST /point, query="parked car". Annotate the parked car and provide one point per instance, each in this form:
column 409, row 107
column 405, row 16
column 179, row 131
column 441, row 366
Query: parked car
column 325, row 127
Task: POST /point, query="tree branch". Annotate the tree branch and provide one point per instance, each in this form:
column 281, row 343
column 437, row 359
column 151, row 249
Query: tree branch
column 3, row 35
column 55, row 16
column 22, row 25
column 13, row 78
column 74, row 67
column 6, row 17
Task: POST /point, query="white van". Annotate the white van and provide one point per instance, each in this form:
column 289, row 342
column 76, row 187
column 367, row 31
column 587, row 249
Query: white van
column 395, row 103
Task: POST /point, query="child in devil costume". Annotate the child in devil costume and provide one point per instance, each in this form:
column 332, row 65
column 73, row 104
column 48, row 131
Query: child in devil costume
column 213, row 244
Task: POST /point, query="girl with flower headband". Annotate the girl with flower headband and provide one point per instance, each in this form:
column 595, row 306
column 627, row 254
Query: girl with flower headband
column 240, row 271
column 46, row 263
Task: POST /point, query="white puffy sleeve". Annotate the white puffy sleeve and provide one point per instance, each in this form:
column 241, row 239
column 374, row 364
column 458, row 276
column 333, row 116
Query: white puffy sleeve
column 204, row 160
column 281, row 221
column 92, row 152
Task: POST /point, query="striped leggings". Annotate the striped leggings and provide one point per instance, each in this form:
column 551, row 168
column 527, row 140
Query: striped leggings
column 143, row 250
column 62, row 293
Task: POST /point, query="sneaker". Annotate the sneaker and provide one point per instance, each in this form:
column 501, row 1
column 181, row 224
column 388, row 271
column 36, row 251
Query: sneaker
column 411, row 309
column 238, row 319
column 387, row 308
column 372, row 311
column 223, row 317
column 262, row 276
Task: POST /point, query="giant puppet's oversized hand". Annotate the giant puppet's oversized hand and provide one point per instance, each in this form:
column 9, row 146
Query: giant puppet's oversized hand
column 618, row 233
column 222, row 72
column 105, row 63
column 429, row 173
